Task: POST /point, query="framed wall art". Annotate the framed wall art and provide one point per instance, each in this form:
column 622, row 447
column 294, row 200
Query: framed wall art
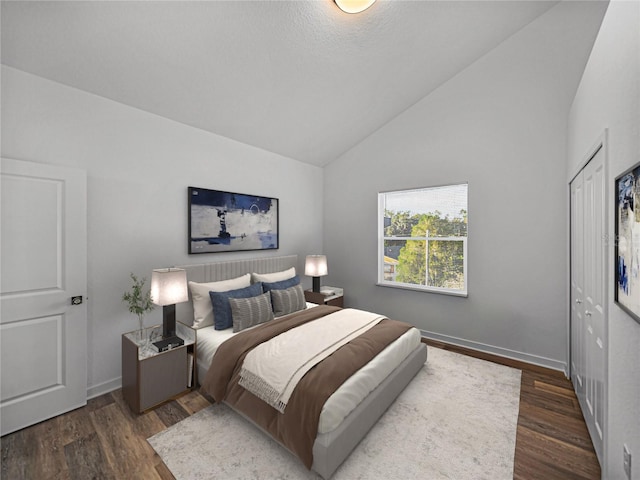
column 226, row 221
column 627, row 250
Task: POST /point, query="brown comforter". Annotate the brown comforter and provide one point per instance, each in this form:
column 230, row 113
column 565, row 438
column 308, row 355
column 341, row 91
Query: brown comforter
column 297, row 428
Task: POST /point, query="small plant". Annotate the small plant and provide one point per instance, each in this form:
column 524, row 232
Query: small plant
column 139, row 301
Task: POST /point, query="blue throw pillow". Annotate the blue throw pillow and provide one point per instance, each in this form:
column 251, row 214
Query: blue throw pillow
column 222, row 318
column 281, row 285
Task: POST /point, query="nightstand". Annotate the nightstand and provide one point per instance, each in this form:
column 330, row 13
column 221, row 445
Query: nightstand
column 327, row 296
column 150, row 378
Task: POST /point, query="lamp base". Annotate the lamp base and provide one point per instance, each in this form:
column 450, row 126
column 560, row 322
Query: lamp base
column 316, row 284
column 169, row 321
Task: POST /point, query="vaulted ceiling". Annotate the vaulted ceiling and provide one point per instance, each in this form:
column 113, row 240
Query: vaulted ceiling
column 299, row 78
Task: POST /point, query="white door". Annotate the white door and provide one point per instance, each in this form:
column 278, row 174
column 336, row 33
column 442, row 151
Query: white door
column 594, row 295
column 43, row 337
column 588, row 289
column 577, row 284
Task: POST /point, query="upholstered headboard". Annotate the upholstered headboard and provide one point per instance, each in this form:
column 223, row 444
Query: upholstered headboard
column 213, row 272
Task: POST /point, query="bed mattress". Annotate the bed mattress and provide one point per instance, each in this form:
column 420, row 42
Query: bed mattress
column 346, row 398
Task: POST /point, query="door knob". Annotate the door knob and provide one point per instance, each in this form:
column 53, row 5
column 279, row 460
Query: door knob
column 587, row 313
column 578, row 301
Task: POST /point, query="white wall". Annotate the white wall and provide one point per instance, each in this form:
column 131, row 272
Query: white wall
column 609, row 98
column 501, row 126
column 139, row 167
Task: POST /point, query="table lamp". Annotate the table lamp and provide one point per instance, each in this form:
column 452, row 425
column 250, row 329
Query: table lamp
column 168, row 287
column 316, row 266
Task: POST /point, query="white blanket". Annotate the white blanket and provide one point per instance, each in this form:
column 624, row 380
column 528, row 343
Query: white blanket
column 272, row 370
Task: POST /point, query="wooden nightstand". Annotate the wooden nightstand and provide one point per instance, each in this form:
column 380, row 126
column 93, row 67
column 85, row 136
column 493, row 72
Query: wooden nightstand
column 150, row 378
column 327, row 296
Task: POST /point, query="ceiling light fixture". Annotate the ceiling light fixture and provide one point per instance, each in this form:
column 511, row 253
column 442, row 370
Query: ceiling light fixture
column 354, row 6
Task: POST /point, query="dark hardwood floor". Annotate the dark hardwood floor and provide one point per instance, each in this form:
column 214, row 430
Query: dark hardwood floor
column 104, row 440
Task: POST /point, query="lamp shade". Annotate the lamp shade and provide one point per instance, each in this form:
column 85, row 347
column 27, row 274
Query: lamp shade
column 169, row 286
column 316, row 266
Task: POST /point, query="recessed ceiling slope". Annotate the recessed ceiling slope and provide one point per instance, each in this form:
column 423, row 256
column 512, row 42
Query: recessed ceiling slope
column 299, row 78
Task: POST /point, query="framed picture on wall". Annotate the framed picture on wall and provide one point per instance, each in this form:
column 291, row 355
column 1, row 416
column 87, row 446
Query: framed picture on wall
column 627, row 250
column 226, row 221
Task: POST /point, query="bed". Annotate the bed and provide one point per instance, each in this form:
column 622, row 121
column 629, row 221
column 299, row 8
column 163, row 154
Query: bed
column 354, row 407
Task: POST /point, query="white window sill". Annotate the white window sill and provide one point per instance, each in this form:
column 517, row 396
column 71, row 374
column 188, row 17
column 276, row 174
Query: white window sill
column 418, row 288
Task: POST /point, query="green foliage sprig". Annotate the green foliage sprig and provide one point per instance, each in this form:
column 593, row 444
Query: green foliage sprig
column 139, row 301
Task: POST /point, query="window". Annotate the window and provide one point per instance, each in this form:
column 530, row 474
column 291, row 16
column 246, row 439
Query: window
column 422, row 239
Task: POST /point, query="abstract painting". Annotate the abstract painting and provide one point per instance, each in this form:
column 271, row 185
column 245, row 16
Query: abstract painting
column 225, row 221
column 627, row 291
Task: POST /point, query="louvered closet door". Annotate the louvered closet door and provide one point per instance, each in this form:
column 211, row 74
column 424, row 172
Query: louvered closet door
column 588, row 289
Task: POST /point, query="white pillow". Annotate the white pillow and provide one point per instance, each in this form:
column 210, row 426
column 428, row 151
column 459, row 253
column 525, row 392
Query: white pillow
column 273, row 277
column 202, row 308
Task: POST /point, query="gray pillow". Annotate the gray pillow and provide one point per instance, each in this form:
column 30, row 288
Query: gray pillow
column 247, row 312
column 288, row 300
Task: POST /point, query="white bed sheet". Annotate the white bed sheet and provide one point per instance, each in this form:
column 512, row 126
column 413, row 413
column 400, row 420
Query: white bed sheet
column 209, row 339
column 350, row 393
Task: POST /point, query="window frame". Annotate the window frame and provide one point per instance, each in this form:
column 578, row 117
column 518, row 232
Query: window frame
column 410, row 286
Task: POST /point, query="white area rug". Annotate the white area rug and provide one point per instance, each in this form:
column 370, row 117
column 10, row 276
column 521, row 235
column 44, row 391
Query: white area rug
column 456, row 420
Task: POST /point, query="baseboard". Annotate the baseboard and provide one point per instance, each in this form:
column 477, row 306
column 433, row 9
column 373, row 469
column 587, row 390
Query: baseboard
column 502, row 352
column 104, row 387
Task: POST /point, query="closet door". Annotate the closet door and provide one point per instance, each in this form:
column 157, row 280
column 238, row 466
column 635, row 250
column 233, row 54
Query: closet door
column 588, row 289
column 578, row 362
